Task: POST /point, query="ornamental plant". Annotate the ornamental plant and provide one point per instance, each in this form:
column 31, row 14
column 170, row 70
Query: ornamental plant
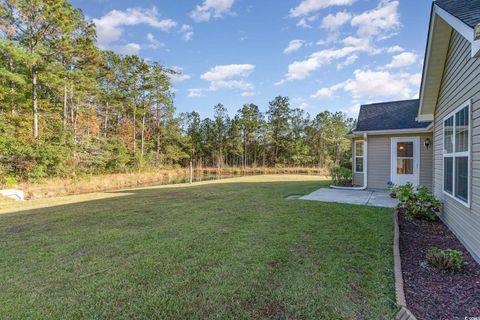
column 393, row 189
column 445, row 259
column 419, row 204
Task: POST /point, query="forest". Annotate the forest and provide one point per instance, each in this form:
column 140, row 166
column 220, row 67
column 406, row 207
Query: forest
column 69, row 109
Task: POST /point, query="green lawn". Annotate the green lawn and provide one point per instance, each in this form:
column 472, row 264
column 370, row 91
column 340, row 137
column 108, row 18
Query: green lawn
column 235, row 249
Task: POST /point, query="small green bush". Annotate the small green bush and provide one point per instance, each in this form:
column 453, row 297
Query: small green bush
column 10, row 182
column 417, row 205
column 341, row 176
column 445, row 259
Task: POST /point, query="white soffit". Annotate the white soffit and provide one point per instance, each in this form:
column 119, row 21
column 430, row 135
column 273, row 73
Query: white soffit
column 442, row 24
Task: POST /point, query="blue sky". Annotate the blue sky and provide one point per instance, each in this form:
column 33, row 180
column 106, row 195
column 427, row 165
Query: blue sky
column 324, row 54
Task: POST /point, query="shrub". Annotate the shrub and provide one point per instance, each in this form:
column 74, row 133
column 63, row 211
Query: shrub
column 417, row 205
column 445, row 259
column 341, row 176
column 405, row 192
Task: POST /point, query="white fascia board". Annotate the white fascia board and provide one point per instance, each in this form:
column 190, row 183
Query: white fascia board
column 397, row 131
column 457, row 24
column 426, row 59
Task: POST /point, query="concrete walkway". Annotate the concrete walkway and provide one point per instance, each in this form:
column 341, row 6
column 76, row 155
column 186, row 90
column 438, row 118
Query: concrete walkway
column 377, row 198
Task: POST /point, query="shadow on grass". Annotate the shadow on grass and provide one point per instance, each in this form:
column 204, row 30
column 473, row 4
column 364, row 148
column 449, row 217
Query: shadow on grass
column 215, row 250
column 161, row 192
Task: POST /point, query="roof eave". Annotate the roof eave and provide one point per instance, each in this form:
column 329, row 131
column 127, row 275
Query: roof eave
column 425, row 113
column 395, row 131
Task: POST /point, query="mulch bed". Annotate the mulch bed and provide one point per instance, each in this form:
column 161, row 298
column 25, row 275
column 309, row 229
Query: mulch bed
column 431, row 293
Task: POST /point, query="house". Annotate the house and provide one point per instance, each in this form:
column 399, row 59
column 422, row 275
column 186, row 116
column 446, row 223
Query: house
column 435, row 140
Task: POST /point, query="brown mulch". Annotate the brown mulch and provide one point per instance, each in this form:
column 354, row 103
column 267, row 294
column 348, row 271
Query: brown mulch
column 431, row 293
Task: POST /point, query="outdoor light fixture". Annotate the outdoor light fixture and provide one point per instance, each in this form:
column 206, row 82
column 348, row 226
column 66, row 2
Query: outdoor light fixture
column 427, row 143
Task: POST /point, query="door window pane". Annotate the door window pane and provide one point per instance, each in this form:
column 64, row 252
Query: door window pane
column 404, row 166
column 359, row 148
column 359, row 156
column 461, row 178
column 359, row 164
column 448, row 175
column 405, row 149
column 461, row 130
column 448, row 135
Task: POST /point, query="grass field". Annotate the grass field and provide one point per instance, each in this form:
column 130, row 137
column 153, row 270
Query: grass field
column 231, row 249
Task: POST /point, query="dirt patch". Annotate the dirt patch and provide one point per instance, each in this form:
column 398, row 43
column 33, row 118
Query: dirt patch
column 271, row 310
column 430, row 293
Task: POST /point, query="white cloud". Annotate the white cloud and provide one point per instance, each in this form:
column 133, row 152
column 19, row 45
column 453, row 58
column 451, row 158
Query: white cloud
column 195, row 92
column 379, row 21
column 293, row 46
column 223, row 77
column 211, row 8
column 128, row 49
column 323, row 93
column 349, row 61
column 382, row 84
column 369, row 84
column 334, row 22
column 180, row 76
column 306, row 7
column 248, row 94
column 187, row 32
column 395, row 49
column 109, row 27
column 303, row 24
column 303, row 106
column 403, row 59
column 299, row 70
column 154, row 43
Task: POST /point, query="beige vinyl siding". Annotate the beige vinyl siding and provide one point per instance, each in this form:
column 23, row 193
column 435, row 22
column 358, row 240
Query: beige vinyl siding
column 379, row 160
column 426, row 163
column 461, row 82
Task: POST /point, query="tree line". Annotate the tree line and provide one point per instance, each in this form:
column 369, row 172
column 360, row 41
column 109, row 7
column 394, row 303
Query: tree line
column 68, row 108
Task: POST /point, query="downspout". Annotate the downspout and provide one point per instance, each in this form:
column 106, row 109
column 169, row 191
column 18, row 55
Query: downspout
column 365, row 168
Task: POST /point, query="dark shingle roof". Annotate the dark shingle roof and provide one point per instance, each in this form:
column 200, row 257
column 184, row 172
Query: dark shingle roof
column 393, row 115
column 466, row 10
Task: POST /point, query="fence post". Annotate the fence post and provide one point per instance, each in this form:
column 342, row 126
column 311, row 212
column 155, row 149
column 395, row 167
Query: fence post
column 191, row 172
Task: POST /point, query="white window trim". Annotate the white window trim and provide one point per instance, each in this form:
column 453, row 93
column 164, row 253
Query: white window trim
column 355, row 156
column 458, row 154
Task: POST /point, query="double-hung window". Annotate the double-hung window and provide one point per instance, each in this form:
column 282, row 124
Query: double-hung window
column 456, row 154
column 358, row 156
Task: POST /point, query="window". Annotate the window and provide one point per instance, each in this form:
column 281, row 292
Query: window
column 358, row 158
column 405, row 158
column 456, row 154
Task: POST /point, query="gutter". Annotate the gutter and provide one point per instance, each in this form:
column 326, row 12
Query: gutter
column 365, row 168
column 396, row 131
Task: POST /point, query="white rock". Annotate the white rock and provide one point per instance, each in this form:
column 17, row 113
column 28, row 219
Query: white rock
column 13, row 194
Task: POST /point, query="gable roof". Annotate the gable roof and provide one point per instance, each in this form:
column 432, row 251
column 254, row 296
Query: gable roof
column 463, row 16
column 468, row 11
column 394, row 115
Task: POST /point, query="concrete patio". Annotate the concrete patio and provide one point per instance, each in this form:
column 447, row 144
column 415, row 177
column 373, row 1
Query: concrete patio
column 376, row 198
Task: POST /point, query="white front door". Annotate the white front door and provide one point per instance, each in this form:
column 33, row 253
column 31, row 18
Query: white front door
column 405, row 160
